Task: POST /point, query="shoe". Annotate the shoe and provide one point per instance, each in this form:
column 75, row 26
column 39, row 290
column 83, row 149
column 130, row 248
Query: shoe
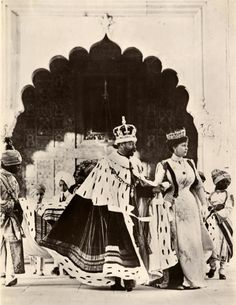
column 55, row 271
column 163, row 286
column 3, row 275
column 191, row 287
column 152, row 284
column 40, row 273
column 211, row 273
column 117, row 287
column 194, row 287
column 129, row 284
column 180, row 287
column 222, row 277
column 156, row 283
column 11, row 283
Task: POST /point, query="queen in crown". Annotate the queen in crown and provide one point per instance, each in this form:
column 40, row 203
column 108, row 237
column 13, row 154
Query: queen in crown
column 181, row 232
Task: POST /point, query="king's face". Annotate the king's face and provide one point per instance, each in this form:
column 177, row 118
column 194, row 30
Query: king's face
column 130, row 147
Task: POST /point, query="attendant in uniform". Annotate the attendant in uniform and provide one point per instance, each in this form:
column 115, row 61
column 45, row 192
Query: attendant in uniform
column 219, row 223
column 97, row 238
column 11, row 251
column 182, row 235
column 53, row 210
column 64, row 180
column 82, row 170
column 35, row 227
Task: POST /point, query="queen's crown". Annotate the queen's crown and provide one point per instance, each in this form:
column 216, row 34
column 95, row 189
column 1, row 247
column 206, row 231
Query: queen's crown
column 177, row 134
column 125, row 132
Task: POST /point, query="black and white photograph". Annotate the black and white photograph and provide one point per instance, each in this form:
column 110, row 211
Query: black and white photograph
column 118, row 152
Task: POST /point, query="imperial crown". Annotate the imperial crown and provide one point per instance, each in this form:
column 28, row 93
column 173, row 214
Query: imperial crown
column 177, row 134
column 124, row 132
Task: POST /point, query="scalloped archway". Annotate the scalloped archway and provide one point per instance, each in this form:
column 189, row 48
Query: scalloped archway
column 91, row 91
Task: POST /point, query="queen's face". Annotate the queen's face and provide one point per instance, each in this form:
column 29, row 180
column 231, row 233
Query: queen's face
column 181, row 149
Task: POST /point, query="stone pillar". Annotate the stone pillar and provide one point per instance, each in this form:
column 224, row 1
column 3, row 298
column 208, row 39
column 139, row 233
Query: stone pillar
column 10, row 104
column 213, row 149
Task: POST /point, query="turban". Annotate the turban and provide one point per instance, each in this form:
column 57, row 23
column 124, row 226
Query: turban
column 36, row 189
column 218, row 175
column 11, row 157
column 64, row 176
column 84, row 168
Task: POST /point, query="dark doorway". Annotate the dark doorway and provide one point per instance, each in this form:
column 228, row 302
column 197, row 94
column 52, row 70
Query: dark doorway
column 92, row 90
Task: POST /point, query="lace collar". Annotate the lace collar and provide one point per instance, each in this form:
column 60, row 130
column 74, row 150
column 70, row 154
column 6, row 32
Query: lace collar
column 176, row 158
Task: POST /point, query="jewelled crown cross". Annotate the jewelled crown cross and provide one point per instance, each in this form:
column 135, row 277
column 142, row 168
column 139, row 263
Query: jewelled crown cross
column 125, row 132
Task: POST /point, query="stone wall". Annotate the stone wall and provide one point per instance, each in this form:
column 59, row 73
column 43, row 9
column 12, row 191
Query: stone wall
column 194, row 38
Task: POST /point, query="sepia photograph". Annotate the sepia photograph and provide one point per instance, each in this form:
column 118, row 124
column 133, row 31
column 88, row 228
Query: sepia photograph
column 118, row 152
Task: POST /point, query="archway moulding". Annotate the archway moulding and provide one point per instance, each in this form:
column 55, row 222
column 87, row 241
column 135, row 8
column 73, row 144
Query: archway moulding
column 98, row 8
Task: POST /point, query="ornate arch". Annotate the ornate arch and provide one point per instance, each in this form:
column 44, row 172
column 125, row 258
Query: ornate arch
column 92, row 90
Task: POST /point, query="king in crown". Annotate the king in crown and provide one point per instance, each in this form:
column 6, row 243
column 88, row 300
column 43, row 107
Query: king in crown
column 125, row 132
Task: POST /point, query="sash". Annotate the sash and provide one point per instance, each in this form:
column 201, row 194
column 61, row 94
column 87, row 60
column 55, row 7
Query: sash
column 227, row 232
column 167, row 166
column 17, row 210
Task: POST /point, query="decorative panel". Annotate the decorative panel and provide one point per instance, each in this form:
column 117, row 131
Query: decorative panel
column 45, row 174
column 30, row 141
